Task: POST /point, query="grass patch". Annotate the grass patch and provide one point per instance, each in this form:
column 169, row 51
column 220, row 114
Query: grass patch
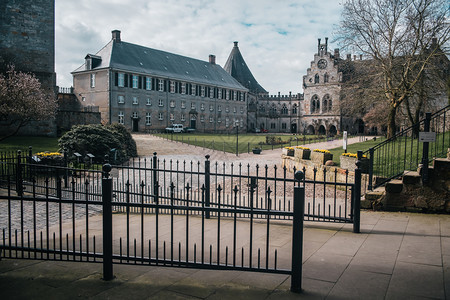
column 39, row 144
column 246, row 141
column 353, row 148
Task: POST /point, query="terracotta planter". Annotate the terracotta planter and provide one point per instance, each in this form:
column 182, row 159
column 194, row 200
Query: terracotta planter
column 320, row 158
column 302, row 153
column 288, row 152
column 349, row 163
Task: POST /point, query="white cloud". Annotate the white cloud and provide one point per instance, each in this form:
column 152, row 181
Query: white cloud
column 278, row 39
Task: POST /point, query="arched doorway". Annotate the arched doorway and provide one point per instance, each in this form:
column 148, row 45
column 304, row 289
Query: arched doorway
column 359, row 126
column 294, row 128
column 322, row 130
column 332, row 131
column 310, row 130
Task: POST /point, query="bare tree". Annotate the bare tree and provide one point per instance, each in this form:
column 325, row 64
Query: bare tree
column 22, row 100
column 401, row 36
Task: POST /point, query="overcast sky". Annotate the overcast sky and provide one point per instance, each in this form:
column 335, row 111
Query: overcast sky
column 277, row 38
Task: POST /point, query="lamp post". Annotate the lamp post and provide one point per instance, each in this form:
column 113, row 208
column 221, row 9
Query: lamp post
column 236, row 124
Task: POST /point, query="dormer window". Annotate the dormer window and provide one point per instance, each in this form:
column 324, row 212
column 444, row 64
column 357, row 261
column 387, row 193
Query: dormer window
column 92, row 61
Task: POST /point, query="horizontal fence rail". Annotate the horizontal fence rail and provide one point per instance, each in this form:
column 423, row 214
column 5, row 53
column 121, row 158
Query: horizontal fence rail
column 403, row 152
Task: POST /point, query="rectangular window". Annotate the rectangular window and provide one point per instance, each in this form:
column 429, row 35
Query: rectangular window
column 172, row 103
column 183, row 88
column 272, row 125
column 183, row 118
column 211, row 119
column 202, row 106
column 121, row 80
column 211, row 92
column 203, row 91
column 219, row 94
column 234, row 96
column 161, row 85
column 160, row 116
column 121, row 117
column 227, row 94
column 241, row 96
column 120, row 99
column 219, row 107
column 227, row 122
column 219, row 120
column 148, row 119
column 227, row 109
column 160, row 102
column 148, row 83
column 193, row 89
column 172, row 117
column 202, row 119
column 283, row 125
column 193, row 105
column 242, row 109
column 149, row 101
column 92, row 80
column 234, row 110
column 183, row 104
column 135, row 101
column 135, row 115
column 172, row 86
column 135, row 81
column 211, row 107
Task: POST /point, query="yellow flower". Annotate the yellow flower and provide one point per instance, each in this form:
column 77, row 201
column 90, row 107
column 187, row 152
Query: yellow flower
column 289, row 148
column 303, row 148
column 321, row 151
column 352, row 155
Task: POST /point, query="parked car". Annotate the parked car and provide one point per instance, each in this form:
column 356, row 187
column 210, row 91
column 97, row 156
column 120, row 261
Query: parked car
column 256, row 130
column 188, row 130
column 174, row 128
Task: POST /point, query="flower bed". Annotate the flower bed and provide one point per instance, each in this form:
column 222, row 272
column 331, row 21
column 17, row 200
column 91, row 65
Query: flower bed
column 302, row 152
column 49, row 158
column 289, row 151
column 320, row 156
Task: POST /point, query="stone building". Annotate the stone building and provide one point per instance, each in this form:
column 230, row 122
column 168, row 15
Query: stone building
column 147, row 89
column 27, row 40
column 274, row 113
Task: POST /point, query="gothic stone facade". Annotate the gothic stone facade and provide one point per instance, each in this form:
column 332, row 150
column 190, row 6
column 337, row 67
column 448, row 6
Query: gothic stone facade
column 147, row 89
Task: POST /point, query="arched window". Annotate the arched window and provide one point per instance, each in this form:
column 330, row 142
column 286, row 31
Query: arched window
column 273, row 109
column 315, row 104
column 326, row 101
column 284, row 110
column 316, row 78
column 262, row 108
column 294, row 109
column 325, row 78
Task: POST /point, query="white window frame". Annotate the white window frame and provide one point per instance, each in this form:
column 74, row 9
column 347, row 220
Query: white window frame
column 183, row 118
column 202, row 93
column 219, row 120
column 135, row 81
column 135, row 115
column 148, row 83
column 227, row 109
column 234, row 96
column 171, row 116
column 211, row 119
column 172, row 86
column 242, row 109
column 120, row 99
column 202, row 106
column 183, row 88
column 219, row 107
column 234, row 110
column 219, row 94
column 193, row 89
column 92, row 80
column 160, row 116
column 160, row 102
column 172, row 103
column 149, row 102
column 193, row 106
column 161, row 85
column 227, row 122
column 135, row 100
column 211, row 92
column 183, row 104
column 202, row 119
column 148, row 119
column 121, row 117
column 227, row 94
column 211, row 107
column 121, row 79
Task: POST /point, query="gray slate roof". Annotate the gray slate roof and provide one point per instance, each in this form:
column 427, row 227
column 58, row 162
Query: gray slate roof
column 237, row 67
column 129, row 57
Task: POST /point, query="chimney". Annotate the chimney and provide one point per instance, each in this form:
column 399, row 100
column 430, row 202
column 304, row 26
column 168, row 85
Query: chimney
column 349, row 57
column 116, row 35
column 236, row 44
column 336, row 53
column 326, row 45
column 212, row 59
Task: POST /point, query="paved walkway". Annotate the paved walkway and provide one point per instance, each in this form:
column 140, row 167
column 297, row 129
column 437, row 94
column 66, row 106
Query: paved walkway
column 396, row 256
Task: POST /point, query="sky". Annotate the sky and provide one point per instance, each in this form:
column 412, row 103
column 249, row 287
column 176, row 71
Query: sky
column 277, row 38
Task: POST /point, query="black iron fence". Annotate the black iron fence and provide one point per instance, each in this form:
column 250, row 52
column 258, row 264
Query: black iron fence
column 405, row 152
column 168, row 213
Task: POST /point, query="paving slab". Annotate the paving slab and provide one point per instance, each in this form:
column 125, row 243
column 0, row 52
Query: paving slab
column 326, row 266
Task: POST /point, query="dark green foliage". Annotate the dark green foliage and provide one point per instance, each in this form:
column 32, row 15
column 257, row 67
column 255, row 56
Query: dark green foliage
column 99, row 140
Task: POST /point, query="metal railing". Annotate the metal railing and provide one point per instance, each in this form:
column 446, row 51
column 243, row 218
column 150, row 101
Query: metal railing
column 404, row 152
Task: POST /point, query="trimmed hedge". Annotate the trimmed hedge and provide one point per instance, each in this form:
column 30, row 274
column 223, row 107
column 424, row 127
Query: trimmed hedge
column 98, row 140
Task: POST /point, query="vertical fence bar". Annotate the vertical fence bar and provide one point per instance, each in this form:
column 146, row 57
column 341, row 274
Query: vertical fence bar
column 297, row 234
column 207, row 186
column 107, row 223
column 19, row 179
column 370, row 169
column 425, row 150
column 357, row 195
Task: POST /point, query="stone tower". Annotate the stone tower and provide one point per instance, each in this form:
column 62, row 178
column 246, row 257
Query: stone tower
column 27, row 38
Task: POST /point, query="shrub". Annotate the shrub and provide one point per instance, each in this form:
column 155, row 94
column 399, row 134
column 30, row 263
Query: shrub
column 99, row 140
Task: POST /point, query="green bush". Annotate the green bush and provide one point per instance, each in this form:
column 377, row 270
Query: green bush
column 99, row 140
